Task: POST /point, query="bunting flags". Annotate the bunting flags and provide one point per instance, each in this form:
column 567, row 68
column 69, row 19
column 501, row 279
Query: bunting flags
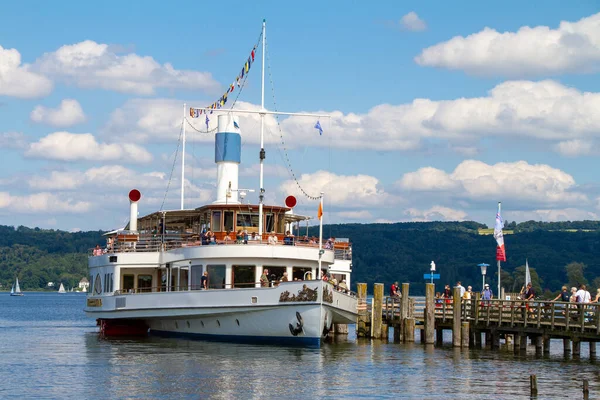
column 195, row 113
column 318, row 126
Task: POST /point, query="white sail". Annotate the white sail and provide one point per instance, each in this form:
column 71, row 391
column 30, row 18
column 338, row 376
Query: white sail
column 61, row 289
column 16, row 290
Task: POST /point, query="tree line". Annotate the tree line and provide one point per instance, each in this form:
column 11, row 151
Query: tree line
column 557, row 253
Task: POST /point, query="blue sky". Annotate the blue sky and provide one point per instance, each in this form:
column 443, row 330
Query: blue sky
column 438, row 110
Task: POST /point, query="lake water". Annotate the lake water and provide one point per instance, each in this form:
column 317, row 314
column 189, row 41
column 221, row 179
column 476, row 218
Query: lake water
column 50, row 350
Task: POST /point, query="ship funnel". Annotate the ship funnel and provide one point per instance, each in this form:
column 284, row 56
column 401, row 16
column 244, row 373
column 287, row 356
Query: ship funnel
column 134, row 197
column 228, row 145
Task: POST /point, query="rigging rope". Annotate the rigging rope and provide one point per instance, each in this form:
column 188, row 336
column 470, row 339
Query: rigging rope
column 173, row 166
column 285, row 151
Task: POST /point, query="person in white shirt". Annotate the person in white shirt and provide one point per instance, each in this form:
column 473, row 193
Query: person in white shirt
column 462, row 289
column 583, row 296
column 273, row 238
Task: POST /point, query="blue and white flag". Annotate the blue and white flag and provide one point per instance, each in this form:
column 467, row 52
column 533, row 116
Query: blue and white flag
column 318, row 126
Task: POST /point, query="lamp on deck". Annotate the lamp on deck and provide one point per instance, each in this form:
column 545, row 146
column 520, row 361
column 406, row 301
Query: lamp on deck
column 483, row 267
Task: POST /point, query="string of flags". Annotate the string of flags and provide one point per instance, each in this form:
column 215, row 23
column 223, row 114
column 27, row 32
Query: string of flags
column 195, row 113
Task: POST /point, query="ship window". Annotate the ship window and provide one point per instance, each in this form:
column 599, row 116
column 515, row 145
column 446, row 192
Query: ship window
column 300, row 273
column 216, row 221
column 243, row 276
column 269, row 223
column 128, row 283
column 104, row 286
column 216, row 276
column 144, row 283
column 110, row 287
column 275, row 273
column 196, row 277
column 228, row 220
column 247, row 220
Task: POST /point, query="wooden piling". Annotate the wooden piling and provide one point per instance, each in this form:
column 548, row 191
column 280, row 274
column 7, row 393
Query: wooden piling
column 439, row 336
column 592, row 349
column 516, row 344
column 409, row 329
column 363, row 313
column 404, row 301
column 377, row 311
column 586, row 389
column 539, row 344
column 456, row 322
column 523, row 344
column 495, row 340
column 533, row 387
column 576, row 347
column 429, row 330
column 464, row 334
column 397, row 332
column 566, row 346
column 488, row 339
column 478, row 341
column 340, row 329
column 546, row 344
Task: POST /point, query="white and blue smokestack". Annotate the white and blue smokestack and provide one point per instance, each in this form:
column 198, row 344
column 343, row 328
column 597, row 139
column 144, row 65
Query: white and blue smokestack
column 228, row 147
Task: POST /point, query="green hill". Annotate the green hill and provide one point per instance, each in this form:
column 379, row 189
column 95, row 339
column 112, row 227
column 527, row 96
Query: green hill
column 381, row 253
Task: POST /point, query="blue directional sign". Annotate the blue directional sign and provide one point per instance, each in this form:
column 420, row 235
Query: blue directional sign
column 428, row 276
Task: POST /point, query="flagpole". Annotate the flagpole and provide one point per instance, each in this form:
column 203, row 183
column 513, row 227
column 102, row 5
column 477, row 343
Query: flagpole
column 183, row 158
column 320, row 235
column 261, row 194
column 499, row 284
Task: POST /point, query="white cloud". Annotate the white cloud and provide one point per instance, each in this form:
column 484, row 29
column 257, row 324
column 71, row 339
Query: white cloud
column 552, row 215
column 572, row 47
column 339, row 190
column 13, row 140
column 436, row 213
column 42, row 203
column 89, row 64
column 18, row 80
column 574, row 148
column 68, row 113
column 518, row 181
column 412, row 22
column 67, row 146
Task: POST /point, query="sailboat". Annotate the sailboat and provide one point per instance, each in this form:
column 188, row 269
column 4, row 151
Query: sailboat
column 61, row 289
column 16, row 290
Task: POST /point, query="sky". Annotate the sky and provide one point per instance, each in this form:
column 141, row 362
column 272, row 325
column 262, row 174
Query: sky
column 435, row 111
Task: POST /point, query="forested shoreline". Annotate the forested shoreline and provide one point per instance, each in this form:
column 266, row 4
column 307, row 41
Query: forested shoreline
column 558, row 253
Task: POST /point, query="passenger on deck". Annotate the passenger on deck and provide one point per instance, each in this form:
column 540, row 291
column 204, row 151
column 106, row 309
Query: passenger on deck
column 597, row 295
column 239, row 237
column 343, row 286
column 563, row 295
column 227, row 238
column 273, row 238
column 97, row 250
column 284, row 278
column 394, row 290
column 288, row 238
column 264, row 280
column 204, row 281
column 254, row 236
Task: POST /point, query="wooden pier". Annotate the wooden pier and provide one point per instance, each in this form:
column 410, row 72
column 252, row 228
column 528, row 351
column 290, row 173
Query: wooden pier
column 471, row 320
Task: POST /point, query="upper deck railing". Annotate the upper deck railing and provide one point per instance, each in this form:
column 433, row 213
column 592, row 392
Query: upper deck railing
column 129, row 242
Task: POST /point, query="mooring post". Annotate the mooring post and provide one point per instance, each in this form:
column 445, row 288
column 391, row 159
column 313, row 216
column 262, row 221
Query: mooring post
column 464, row 334
column 409, row 329
column 429, row 331
column 586, row 389
column 533, row 385
column 456, row 321
column 377, row 311
column 404, row 306
column 363, row 312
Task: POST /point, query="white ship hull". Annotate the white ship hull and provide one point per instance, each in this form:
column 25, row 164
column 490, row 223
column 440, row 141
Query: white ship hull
column 297, row 313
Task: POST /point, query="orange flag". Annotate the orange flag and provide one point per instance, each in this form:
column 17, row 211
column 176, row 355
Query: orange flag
column 320, row 213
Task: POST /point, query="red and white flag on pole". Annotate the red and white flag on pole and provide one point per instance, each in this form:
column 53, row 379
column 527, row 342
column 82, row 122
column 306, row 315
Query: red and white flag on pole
column 500, row 252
